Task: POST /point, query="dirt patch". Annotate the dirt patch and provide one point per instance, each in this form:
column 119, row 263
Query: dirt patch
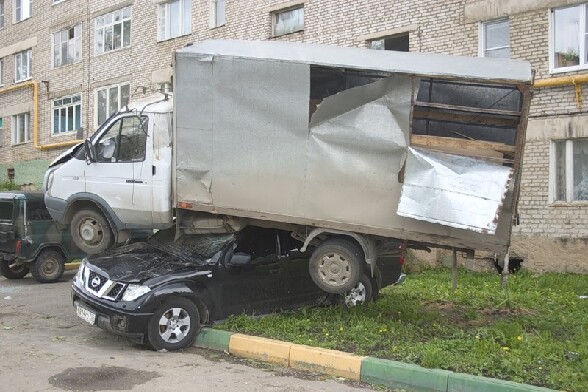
column 100, row 378
column 467, row 317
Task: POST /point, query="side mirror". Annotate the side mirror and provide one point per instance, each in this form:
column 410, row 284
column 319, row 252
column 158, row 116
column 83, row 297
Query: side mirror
column 89, row 152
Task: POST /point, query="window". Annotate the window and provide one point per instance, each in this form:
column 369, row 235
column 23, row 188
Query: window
column 113, row 30
column 67, row 114
column 6, row 210
column 67, row 46
column 288, row 21
column 21, row 132
column 568, row 37
column 22, row 9
column 495, row 39
column 22, row 65
column 124, row 142
column 570, row 170
column 109, row 100
column 175, row 19
column 398, row 43
column 217, row 13
column 1, row 13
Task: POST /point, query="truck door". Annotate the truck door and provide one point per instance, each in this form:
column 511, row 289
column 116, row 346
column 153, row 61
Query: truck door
column 121, row 174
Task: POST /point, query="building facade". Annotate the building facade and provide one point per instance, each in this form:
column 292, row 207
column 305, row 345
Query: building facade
column 66, row 65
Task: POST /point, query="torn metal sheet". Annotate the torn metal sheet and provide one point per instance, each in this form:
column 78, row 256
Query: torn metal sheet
column 452, row 190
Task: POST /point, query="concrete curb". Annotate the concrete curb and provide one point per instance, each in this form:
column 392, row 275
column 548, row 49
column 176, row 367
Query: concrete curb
column 340, row 364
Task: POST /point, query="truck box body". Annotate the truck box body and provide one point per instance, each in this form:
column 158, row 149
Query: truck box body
column 413, row 146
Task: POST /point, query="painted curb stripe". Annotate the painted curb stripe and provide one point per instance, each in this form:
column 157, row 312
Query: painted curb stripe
column 262, row 349
column 404, row 375
column 340, row 364
column 335, row 363
column 214, row 339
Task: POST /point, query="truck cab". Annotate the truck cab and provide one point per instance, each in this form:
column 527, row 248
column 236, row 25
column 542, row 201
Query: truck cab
column 117, row 181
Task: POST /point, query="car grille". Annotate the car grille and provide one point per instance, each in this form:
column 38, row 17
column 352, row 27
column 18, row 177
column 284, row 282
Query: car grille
column 100, row 286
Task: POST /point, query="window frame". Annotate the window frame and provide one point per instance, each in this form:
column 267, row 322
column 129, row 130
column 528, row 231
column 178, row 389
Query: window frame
column 29, row 58
column 382, row 39
column 112, row 24
column 569, row 172
column 274, row 16
column 14, row 8
column 119, row 97
column 164, row 8
column 77, row 44
column 73, row 105
column 482, row 34
column 120, row 122
column 14, row 139
column 214, row 21
column 583, row 36
column 2, row 14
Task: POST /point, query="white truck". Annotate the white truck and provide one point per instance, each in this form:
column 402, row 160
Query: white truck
column 344, row 147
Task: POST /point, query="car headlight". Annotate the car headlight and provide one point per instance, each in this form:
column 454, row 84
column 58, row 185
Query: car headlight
column 78, row 279
column 134, row 291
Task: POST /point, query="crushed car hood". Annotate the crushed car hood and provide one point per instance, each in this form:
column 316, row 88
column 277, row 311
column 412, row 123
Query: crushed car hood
column 139, row 262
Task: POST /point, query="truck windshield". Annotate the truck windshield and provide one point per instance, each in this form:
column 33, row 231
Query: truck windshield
column 6, row 210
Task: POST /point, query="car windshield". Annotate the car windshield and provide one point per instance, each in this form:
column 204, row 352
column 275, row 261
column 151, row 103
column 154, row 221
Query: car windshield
column 196, row 247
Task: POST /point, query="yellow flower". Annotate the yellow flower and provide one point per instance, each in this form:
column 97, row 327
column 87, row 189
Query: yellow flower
column 477, row 337
column 519, row 338
column 341, row 328
column 506, row 348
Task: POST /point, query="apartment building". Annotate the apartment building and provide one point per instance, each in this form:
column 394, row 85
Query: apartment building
column 66, row 65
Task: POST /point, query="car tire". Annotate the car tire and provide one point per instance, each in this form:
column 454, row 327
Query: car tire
column 174, row 325
column 376, row 282
column 90, row 231
column 48, row 266
column 16, row 272
column 336, row 266
column 360, row 294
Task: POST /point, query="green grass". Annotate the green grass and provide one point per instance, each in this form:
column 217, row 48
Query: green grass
column 535, row 331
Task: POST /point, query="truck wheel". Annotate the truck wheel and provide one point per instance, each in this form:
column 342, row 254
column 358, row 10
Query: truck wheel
column 360, row 294
column 48, row 266
column 91, row 232
column 16, row 272
column 174, row 324
column 336, row 266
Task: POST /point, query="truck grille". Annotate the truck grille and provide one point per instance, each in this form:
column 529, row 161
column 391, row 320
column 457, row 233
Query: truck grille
column 100, row 286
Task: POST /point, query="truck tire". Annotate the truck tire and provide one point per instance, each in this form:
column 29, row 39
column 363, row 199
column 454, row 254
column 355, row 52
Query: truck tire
column 174, row 325
column 90, row 231
column 336, row 266
column 48, row 266
column 16, row 272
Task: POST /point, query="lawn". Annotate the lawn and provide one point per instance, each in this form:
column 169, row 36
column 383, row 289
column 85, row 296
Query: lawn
column 535, row 331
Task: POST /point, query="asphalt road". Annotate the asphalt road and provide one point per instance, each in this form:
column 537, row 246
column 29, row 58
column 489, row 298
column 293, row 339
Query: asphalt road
column 44, row 346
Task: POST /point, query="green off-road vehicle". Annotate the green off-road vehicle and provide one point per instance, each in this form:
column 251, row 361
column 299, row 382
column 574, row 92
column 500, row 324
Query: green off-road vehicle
column 30, row 240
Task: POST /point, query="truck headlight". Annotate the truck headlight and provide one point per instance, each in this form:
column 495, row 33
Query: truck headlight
column 134, row 291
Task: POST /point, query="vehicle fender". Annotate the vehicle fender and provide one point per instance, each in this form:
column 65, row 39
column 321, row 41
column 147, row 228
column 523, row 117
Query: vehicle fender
column 115, row 223
column 50, row 246
column 367, row 244
column 191, row 290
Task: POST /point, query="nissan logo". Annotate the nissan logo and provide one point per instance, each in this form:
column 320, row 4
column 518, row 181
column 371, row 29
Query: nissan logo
column 95, row 282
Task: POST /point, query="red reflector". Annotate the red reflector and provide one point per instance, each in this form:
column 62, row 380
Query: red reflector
column 18, row 246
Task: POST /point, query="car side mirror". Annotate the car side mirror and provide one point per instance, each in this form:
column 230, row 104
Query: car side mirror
column 239, row 259
column 89, row 152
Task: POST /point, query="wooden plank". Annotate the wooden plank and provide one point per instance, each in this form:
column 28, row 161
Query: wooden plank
column 467, row 109
column 473, row 148
column 469, row 118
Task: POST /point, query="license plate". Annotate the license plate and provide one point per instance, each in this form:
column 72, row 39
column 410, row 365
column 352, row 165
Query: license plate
column 85, row 314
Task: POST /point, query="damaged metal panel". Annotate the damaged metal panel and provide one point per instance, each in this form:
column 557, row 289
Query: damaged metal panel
column 193, row 107
column 463, row 192
column 357, row 146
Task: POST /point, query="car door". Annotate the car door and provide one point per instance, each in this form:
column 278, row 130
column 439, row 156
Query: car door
column 121, row 175
column 256, row 286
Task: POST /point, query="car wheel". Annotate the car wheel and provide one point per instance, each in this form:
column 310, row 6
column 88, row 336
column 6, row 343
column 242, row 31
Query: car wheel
column 360, row 294
column 48, row 266
column 174, row 325
column 90, row 231
column 15, row 272
column 336, row 265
